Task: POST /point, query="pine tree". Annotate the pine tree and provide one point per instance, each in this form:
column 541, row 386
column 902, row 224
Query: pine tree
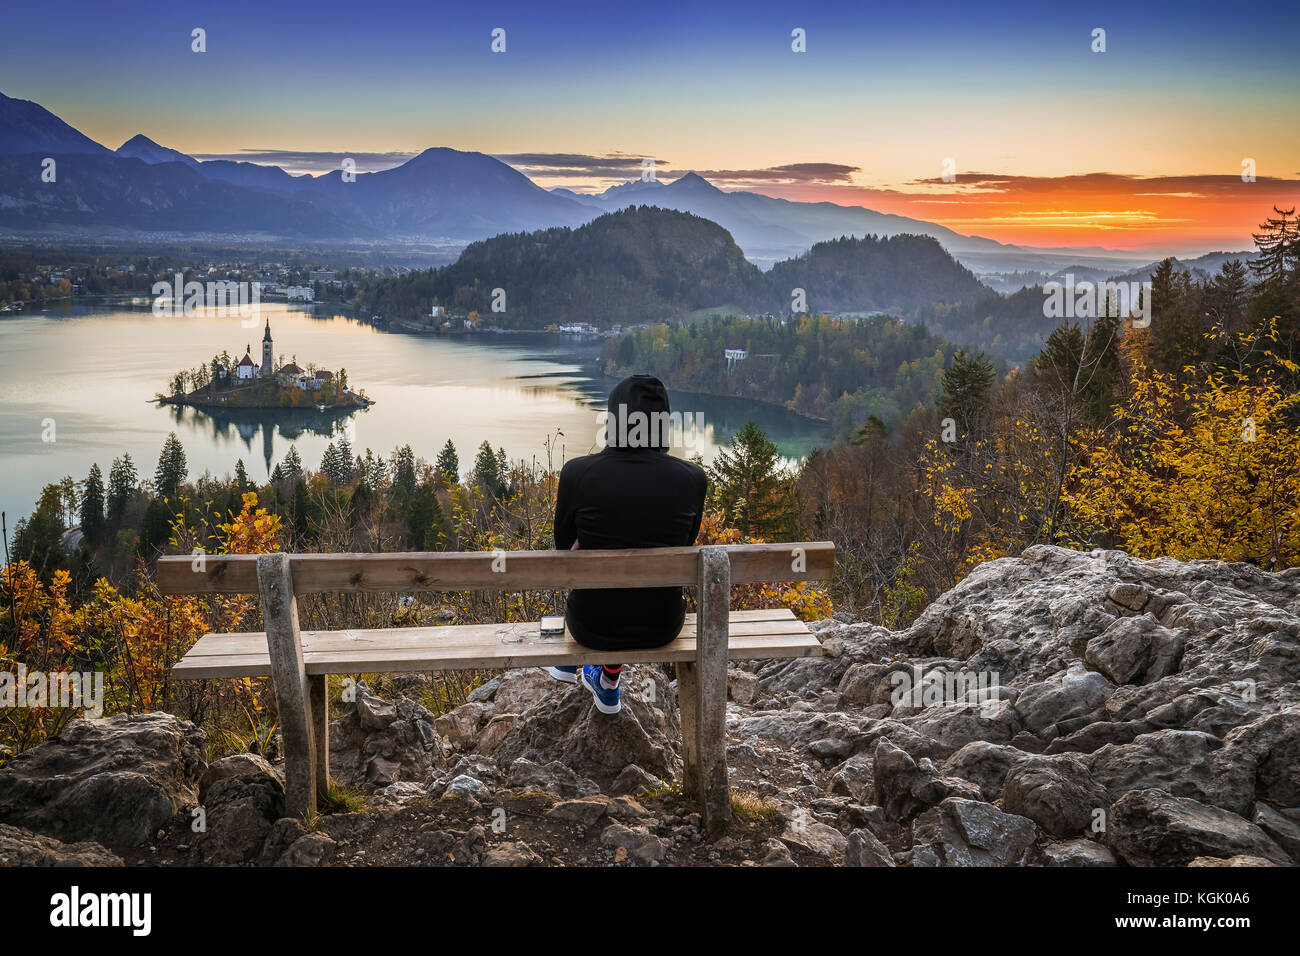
column 872, row 432
column 1061, row 357
column 1175, row 339
column 155, row 528
column 92, row 505
column 172, row 469
column 448, row 464
column 748, row 485
column 292, row 464
column 424, row 519
column 403, row 468
column 122, row 480
column 1228, row 294
column 241, row 476
column 1279, row 246
column 967, row 385
column 1102, row 375
column 487, row 470
column 38, row 538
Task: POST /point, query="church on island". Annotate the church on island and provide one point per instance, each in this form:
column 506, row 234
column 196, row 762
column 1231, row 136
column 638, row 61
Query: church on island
column 248, row 371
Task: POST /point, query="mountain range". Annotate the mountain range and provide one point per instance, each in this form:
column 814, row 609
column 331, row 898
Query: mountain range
column 442, row 195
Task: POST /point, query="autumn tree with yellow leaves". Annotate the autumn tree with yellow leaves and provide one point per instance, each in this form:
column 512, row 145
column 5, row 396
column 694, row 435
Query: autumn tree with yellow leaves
column 1205, row 469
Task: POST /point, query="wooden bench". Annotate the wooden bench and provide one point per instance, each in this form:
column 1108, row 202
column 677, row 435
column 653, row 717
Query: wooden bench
column 298, row 661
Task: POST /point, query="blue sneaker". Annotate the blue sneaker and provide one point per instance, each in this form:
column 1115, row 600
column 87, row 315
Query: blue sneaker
column 567, row 674
column 607, row 701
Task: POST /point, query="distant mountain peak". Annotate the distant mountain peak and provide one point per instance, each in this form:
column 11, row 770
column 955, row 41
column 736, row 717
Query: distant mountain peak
column 143, row 148
column 695, row 180
column 139, row 139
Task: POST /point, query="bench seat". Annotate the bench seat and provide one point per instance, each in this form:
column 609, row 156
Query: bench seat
column 754, row 635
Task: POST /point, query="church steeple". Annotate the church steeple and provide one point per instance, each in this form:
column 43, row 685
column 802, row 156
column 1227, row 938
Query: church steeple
column 268, row 365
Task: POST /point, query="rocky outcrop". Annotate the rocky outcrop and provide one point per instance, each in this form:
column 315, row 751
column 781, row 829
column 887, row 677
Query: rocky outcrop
column 23, row 848
column 115, row 780
column 1155, row 828
column 1054, row 709
column 378, row 742
column 564, row 727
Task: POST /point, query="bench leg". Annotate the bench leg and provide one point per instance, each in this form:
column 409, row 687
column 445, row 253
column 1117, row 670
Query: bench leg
column 289, row 676
column 711, row 691
column 320, row 721
column 688, row 707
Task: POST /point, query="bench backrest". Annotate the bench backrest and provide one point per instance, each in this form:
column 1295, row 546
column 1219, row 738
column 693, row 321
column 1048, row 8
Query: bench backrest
column 497, row 570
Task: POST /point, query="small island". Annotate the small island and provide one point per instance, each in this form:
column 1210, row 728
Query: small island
column 225, row 383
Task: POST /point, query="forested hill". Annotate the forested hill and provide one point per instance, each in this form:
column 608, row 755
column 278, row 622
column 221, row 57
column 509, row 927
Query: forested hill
column 843, row 370
column 646, row 264
column 894, row 274
column 635, row 265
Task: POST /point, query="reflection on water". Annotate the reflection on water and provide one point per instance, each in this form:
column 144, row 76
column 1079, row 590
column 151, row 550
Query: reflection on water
column 85, row 378
column 261, row 427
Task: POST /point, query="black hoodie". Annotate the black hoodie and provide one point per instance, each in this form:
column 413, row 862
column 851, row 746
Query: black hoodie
column 632, row 494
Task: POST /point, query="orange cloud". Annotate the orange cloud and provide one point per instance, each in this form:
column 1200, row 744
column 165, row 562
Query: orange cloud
column 1115, row 210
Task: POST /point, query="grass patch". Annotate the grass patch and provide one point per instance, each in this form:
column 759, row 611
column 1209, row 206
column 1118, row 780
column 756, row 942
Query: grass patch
column 748, row 808
column 341, row 799
column 671, row 788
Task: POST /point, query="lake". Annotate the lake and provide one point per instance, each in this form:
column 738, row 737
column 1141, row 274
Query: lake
column 76, row 385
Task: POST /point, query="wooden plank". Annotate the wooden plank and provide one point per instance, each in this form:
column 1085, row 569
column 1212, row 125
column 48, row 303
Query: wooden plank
column 711, row 664
column 320, row 729
column 214, row 574
column 688, row 709
column 502, row 657
column 512, row 570
column 445, row 636
column 289, row 674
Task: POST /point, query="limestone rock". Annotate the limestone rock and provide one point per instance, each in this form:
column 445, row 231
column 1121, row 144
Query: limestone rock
column 962, row 832
column 20, row 847
column 113, row 780
column 570, row 730
column 863, row 849
column 377, row 742
column 1154, row 828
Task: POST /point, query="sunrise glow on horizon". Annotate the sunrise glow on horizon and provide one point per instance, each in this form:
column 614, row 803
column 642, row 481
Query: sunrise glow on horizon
column 1141, row 147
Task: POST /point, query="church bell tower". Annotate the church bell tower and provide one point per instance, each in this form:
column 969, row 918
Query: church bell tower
column 267, row 363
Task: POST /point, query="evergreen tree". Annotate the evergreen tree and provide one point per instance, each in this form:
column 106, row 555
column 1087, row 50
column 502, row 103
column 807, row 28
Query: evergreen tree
column 155, row 528
column 448, row 464
column 487, row 470
column 1278, row 242
column 1062, row 355
column 872, row 432
column 38, row 538
column 241, row 477
column 503, row 469
column 748, row 485
column 402, row 465
column 1175, row 339
column 92, row 505
column 967, row 385
column 122, row 480
column 1228, row 294
column 1102, row 373
column 172, row 469
column 292, row 464
column 425, row 522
